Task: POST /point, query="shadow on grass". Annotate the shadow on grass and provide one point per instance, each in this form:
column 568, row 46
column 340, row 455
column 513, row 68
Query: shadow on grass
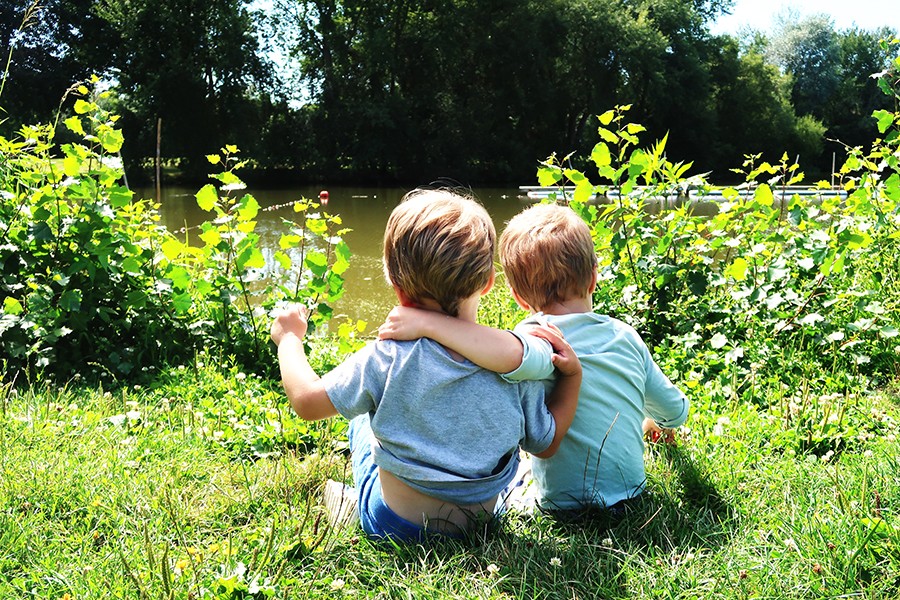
column 594, row 554
column 681, row 507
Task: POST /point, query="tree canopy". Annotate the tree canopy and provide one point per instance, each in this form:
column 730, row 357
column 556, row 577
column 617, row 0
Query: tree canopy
column 477, row 90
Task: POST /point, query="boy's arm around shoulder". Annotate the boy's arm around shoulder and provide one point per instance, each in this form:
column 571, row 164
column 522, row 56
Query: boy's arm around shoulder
column 492, row 349
column 302, row 385
column 563, row 400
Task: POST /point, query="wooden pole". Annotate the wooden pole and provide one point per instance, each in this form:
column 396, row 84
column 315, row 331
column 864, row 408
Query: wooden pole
column 158, row 143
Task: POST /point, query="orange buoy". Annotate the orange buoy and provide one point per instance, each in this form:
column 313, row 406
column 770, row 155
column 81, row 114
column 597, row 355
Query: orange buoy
column 323, row 196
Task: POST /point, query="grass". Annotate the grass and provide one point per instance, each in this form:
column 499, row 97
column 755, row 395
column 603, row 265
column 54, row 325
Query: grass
column 202, row 485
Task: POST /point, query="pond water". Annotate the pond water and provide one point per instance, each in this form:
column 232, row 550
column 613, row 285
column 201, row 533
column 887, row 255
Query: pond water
column 364, row 210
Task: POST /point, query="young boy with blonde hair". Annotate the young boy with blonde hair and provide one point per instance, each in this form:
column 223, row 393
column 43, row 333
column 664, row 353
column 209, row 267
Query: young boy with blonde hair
column 550, row 264
column 433, row 437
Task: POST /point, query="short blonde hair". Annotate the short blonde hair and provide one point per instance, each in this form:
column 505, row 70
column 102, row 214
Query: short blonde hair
column 439, row 245
column 548, row 255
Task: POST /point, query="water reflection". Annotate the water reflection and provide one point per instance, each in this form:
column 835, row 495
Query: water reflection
column 364, row 210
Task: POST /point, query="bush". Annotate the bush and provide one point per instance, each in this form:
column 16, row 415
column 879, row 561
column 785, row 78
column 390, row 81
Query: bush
column 773, row 285
column 93, row 286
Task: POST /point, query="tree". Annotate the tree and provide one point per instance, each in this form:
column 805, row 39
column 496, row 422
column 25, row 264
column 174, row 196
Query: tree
column 53, row 44
column 753, row 110
column 481, row 88
column 195, row 65
column 808, row 51
column 849, row 113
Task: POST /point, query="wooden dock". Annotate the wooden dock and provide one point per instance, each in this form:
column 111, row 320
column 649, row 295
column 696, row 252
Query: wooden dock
column 535, row 193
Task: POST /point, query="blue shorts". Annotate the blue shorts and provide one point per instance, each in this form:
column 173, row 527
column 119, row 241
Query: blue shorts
column 375, row 516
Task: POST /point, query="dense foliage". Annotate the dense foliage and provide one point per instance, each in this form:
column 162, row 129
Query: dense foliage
column 774, row 286
column 91, row 284
column 365, row 91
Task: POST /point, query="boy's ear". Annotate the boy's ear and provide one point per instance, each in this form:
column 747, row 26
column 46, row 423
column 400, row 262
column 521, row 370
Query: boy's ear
column 490, row 283
column 593, row 285
column 524, row 305
column 403, row 298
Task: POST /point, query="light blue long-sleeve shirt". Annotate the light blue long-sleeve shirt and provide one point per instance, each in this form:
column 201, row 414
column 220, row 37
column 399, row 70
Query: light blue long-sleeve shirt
column 601, row 459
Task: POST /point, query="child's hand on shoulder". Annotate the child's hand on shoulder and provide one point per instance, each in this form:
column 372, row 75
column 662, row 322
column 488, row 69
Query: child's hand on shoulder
column 403, row 323
column 290, row 320
column 564, row 358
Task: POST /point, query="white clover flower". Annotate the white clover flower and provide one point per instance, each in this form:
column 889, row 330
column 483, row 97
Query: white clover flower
column 337, row 584
column 555, row 562
column 607, row 543
column 493, row 570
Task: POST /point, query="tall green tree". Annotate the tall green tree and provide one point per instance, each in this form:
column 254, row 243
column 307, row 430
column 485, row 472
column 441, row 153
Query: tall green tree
column 480, row 88
column 849, row 113
column 807, row 49
column 753, row 109
column 194, row 64
column 50, row 45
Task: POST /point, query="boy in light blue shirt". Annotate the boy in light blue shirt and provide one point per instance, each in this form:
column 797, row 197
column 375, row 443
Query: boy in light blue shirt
column 550, row 263
column 433, row 437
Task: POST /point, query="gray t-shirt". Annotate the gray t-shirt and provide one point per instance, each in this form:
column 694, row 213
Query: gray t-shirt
column 447, row 428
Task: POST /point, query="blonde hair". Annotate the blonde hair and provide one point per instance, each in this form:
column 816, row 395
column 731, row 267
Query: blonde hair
column 548, row 255
column 439, row 245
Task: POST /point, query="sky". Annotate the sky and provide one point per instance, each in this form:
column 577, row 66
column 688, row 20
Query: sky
column 761, row 14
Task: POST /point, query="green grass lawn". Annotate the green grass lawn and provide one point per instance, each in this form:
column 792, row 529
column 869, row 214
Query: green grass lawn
column 201, row 484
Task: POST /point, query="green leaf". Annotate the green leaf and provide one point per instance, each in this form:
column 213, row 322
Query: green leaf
column 71, row 166
column 607, row 117
column 608, row 135
column 288, row 240
column 211, row 237
column 11, row 306
column 182, row 302
column 283, row 259
column 764, row 195
column 884, row 118
column 111, row 139
column 634, row 128
column 74, row 125
column 888, row 331
column 82, row 107
column 584, row 191
column 250, row 258
column 120, row 197
column 316, row 262
column 70, row 300
column 548, row 176
column 248, row 208
column 172, row 249
column 342, row 258
column 207, row 197
column 737, row 269
column 697, row 283
column 131, row 265
column 600, row 155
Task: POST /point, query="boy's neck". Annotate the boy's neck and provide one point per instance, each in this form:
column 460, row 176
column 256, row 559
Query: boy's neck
column 468, row 308
column 569, row 307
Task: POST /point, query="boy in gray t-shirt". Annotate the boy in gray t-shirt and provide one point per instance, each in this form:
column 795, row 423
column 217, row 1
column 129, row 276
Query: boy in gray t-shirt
column 550, row 263
column 433, row 437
